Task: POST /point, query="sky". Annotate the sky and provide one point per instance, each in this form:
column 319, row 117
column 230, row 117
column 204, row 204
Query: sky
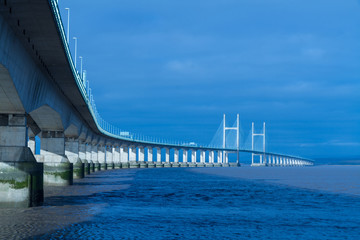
column 171, row 69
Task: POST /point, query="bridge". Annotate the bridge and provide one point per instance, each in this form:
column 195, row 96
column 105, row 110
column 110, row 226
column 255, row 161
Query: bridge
column 42, row 94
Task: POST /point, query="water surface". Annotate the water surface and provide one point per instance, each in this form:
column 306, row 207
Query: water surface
column 186, row 204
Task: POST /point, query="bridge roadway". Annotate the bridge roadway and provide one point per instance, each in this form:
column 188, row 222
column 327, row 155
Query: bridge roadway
column 42, row 94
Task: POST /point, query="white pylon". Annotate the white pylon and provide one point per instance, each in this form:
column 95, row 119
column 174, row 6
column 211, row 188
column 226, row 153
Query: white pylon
column 262, row 156
column 237, row 129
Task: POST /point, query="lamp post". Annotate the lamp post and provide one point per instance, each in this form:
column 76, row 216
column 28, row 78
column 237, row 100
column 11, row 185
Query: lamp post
column 75, row 38
column 81, row 65
column 68, row 24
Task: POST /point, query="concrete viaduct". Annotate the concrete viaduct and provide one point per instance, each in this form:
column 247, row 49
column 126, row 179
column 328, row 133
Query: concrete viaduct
column 41, row 94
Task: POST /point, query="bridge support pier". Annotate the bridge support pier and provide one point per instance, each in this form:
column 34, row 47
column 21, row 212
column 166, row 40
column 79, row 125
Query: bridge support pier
column 184, row 158
column 124, row 155
column 21, row 178
column 88, row 157
column 218, row 159
column 176, row 158
column 82, row 156
column 193, row 158
column 141, row 157
column 116, row 156
column 150, row 161
column 94, row 157
column 211, row 159
column 31, row 143
column 132, row 157
column 72, row 153
column 225, row 162
column 109, row 156
column 58, row 170
column 202, row 159
column 167, row 163
column 101, row 156
column 159, row 164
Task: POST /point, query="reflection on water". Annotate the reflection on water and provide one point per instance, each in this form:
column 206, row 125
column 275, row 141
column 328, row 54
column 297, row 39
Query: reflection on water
column 183, row 204
column 63, row 206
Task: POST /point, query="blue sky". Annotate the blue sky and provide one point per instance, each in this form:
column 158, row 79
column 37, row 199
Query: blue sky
column 170, row 69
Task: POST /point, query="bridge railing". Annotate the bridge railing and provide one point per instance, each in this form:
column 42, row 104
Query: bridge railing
column 85, row 90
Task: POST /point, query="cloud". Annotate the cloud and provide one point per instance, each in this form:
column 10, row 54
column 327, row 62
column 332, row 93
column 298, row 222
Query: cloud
column 314, row 53
column 181, row 66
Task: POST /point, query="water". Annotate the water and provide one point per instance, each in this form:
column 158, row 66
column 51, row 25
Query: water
column 195, row 204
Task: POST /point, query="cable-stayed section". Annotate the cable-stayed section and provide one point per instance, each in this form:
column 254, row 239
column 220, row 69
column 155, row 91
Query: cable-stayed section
column 231, row 137
column 217, row 140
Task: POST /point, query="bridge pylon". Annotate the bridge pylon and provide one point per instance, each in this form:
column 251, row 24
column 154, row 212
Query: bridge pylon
column 262, row 157
column 237, row 129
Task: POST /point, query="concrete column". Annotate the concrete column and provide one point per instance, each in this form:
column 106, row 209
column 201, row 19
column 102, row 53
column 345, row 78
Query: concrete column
column 226, row 157
column 116, row 156
column 133, row 163
column 101, row 156
column 176, row 155
column 132, row 154
column 150, row 162
column 150, row 154
column 88, row 148
column 72, row 153
column 31, row 144
column 58, row 170
column 82, row 156
column 141, row 154
column 211, row 157
column 82, row 150
column 141, row 157
column 185, row 155
column 167, row 155
column 219, row 156
column 124, row 155
column 193, row 156
column 158, row 155
column 202, row 156
column 109, row 157
column 94, row 156
column 21, row 177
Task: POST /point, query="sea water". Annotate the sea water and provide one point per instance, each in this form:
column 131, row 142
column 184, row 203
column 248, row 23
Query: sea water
column 224, row 203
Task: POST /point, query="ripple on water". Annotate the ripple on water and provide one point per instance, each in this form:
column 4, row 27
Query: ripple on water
column 182, row 204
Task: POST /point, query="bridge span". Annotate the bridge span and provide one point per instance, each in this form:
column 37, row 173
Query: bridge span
column 42, row 94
